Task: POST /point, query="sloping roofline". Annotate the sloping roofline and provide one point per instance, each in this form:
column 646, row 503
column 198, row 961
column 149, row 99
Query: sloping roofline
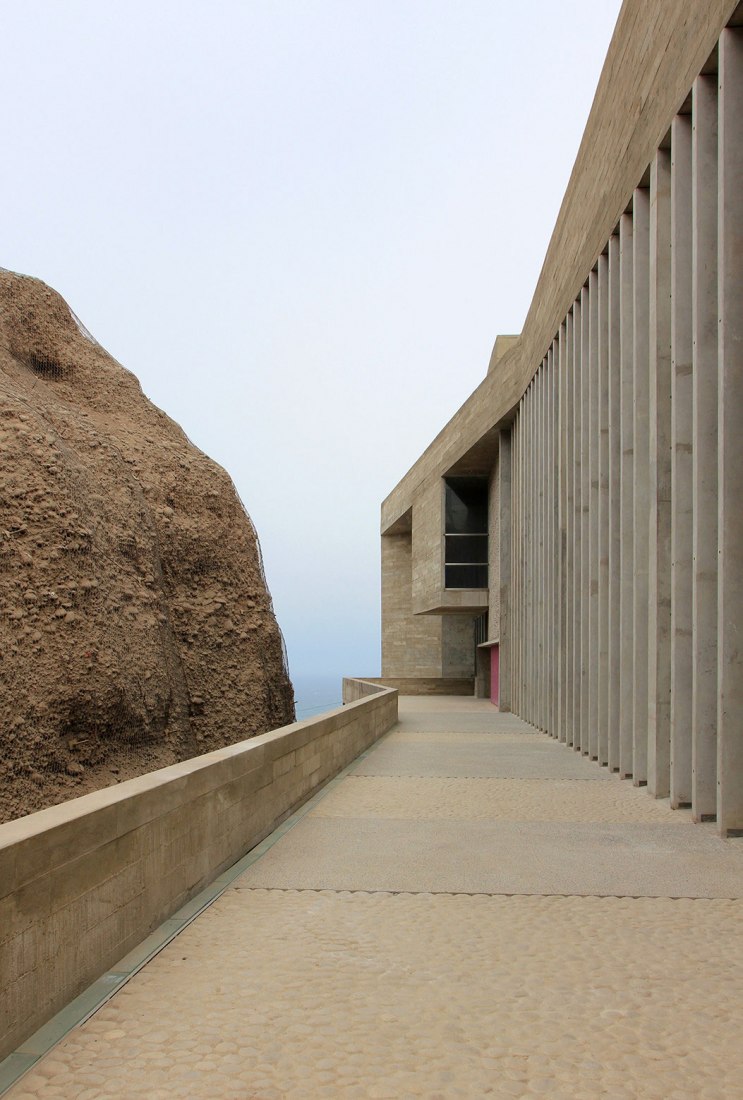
column 656, row 51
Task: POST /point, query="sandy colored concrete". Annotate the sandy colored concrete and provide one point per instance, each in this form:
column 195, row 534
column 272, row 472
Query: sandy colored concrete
column 83, row 883
column 420, row 685
column 403, row 797
column 304, row 993
column 276, row 994
column 531, row 758
column 447, row 737
column 624, row 527
column 455, row 714
column 502, row 857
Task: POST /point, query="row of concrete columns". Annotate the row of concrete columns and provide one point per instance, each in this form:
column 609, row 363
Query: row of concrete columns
column 622, row 484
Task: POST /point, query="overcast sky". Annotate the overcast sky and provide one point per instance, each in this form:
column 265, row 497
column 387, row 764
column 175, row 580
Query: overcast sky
column 301, row 223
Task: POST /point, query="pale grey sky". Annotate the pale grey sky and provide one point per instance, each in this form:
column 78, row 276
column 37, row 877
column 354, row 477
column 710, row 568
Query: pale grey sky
column 301, row 223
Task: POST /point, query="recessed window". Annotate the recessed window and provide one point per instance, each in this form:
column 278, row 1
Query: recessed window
column 466, row 533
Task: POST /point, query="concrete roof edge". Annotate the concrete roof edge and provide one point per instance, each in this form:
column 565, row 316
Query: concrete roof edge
column 618, row 133
column 485, row 408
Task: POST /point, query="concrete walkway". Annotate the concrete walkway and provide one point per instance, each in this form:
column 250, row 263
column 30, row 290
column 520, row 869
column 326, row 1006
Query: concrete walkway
column 473, row 910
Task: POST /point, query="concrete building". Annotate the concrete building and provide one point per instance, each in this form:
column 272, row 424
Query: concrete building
column 571, row 543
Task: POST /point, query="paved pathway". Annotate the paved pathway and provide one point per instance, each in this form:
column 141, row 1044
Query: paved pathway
column 472, row 911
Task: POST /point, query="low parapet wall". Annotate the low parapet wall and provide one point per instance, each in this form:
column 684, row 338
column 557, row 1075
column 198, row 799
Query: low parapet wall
column 84, row 882
column 422, row 685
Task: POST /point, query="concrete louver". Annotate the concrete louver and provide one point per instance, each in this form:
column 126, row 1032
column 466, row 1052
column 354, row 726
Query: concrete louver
column 627, row 468
column 611, row 432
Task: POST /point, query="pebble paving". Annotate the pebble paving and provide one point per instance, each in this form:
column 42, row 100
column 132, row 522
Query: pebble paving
column 310, row 993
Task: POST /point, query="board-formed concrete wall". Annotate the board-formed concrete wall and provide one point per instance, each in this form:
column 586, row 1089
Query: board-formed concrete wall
column 421, row 685
column 457, row 646
column 84, row 882
column 428, row 555
column 411, row 644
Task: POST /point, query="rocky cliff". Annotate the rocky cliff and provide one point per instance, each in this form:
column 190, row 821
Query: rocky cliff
column 136, row 628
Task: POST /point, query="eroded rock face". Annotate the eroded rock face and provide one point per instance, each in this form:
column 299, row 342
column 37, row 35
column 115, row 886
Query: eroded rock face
column 136, row 628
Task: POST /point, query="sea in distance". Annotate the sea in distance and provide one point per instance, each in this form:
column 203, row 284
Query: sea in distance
column 316, row 693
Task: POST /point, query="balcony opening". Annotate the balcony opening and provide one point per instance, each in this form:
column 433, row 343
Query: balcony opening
column 466, row 532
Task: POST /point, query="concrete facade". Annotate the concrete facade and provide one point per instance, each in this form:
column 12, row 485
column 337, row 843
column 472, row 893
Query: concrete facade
column 413, row 642
column 609, row 436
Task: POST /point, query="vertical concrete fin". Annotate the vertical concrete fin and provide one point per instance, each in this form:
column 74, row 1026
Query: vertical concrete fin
column 681, row 462
column 641, row 468
column 730, row 438
column 614, row 505
column 627, row 496
column 704, row 449
column 602, row 519
column 505, row 527
column 659, row 480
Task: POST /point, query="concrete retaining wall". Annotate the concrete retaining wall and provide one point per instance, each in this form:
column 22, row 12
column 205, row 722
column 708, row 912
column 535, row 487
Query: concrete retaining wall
column 83, row 883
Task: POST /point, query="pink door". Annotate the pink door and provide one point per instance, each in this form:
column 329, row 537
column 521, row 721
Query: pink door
column 494, row 674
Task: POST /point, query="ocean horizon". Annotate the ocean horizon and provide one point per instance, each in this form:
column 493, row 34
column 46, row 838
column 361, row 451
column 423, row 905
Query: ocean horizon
column 315, row 693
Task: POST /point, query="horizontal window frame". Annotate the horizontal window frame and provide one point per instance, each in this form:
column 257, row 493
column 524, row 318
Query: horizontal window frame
column 477, row 579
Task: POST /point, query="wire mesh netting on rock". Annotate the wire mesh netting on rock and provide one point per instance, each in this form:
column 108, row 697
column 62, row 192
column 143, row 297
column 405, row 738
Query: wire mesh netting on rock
column 136, row 627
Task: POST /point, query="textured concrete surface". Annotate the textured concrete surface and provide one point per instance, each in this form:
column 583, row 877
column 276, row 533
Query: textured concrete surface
column 502, row 857
column 83, row 883
column 412, row 648
column 430, row 715
column 404, row 797
column 529, row 759
column 276, row 994
column 618, row 493
column 420, row 685
column 304, row 993
column 448, row 736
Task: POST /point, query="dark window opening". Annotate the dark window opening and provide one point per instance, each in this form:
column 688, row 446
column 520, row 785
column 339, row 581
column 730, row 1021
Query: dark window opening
column 466, row 533
column 467, row 549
